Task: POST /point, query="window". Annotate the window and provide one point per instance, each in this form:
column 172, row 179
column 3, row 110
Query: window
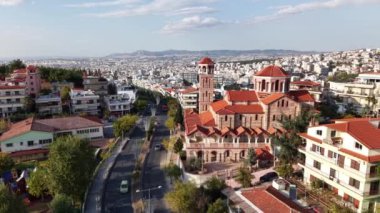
column 317, row 165
column 46, row 141
column 319, row 132
column 274, row 118
column 9, row 145
column 21, row 143
column 225, row 118
column 358, row 146
column 241, row 117
column 355, row 183
column 332, row 154
column 332, row 173
column 256, row 117
column 333, row 133
column 30, row 143
column 355, row 164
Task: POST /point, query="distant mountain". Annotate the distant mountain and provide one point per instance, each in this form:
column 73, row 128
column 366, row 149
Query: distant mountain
column 211, row 53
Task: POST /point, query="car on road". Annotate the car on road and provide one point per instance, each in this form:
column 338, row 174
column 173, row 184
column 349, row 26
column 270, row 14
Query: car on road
column 268, row 177
column 124, row 186
column 157, row 147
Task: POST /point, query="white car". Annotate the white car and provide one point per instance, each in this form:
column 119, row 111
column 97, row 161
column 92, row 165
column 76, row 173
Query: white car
column 124, row 186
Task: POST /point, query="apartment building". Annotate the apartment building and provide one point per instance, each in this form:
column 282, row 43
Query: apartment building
column 345, row 156
column 84, row 101
column 11, row 99
column 95, row 83
column 314, row 88
column 188, row 98
column 49, row 104
column 360, row 92
column 122, row 102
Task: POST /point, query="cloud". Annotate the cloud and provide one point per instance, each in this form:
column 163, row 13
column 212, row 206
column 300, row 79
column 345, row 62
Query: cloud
column 166, row 7
column 190, row 23
column 286, row 10
column 102, row 3
column 194, row 10
column 10, row 2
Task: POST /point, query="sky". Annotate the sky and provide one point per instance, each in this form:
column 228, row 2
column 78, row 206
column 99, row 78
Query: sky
column 91, row 28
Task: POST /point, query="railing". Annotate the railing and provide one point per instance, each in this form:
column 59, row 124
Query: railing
column 223, row 145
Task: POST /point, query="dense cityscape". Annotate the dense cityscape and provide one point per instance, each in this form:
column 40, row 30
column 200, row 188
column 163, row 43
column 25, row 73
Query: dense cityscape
column 189, row 106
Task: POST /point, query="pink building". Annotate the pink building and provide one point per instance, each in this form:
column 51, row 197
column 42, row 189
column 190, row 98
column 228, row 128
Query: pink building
column 32, row 81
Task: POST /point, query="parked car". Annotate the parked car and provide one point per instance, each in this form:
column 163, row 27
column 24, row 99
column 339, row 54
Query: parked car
column 269, row 177
column 124, row 186
column 157, row 147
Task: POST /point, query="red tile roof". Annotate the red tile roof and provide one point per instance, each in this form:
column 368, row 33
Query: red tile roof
column 69, row 123
column 268, row 199
column 207, row 119
column 189, row 90
column 28, row 152
column 23, row 127
column 371, row 159
column 305, row 135
column 301, row 96
column 49, row 125
column 7, row 87
column 246, row 109
column 218, row 105
column 206, row 60
column 272, row 71
column 306, row 83
column 272, row 98
column 361, row 130
column 242, row 96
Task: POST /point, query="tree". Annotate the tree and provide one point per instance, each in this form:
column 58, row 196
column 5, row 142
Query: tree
column 170, row 123
column 9, row 203
column 38, row 183
column 141, row 105
column 3, row 125
column 214, row 187
column 61, row 204
column 251, row 158
column 184, row 198
column 16, row 64
column 219, row 206
column 6, row 163
column 244, row 177
column 29, row 104
column 178, row 146
column 124, row 124
column 112, row 89
column 173, row 171
column 65, row 94
column 195, row 164
column 70, row 167
column 285, row 170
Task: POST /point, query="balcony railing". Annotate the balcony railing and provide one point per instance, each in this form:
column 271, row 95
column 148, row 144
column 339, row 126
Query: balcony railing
column 224, row 145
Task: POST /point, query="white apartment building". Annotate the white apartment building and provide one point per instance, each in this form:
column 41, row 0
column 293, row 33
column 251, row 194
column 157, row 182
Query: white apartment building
column 49, row 104
column 83, row 101
column 11, row 99
column 188, row 98
column 345, row 155
column 358, row 92
column 121, row 103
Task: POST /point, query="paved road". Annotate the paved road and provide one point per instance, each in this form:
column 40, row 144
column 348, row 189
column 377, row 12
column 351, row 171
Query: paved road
column 153, row 175
column 114, row 201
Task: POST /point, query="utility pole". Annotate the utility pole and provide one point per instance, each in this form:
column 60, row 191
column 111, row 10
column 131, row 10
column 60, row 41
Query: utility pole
column 149, row 189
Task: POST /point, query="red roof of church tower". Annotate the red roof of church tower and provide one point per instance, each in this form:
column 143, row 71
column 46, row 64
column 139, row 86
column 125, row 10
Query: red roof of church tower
column 206, row 60
column 272, row 71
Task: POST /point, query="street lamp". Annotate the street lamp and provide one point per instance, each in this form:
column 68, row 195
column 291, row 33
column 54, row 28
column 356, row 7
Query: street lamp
column 275, row 148
column 149, row 189
column 153, row 110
